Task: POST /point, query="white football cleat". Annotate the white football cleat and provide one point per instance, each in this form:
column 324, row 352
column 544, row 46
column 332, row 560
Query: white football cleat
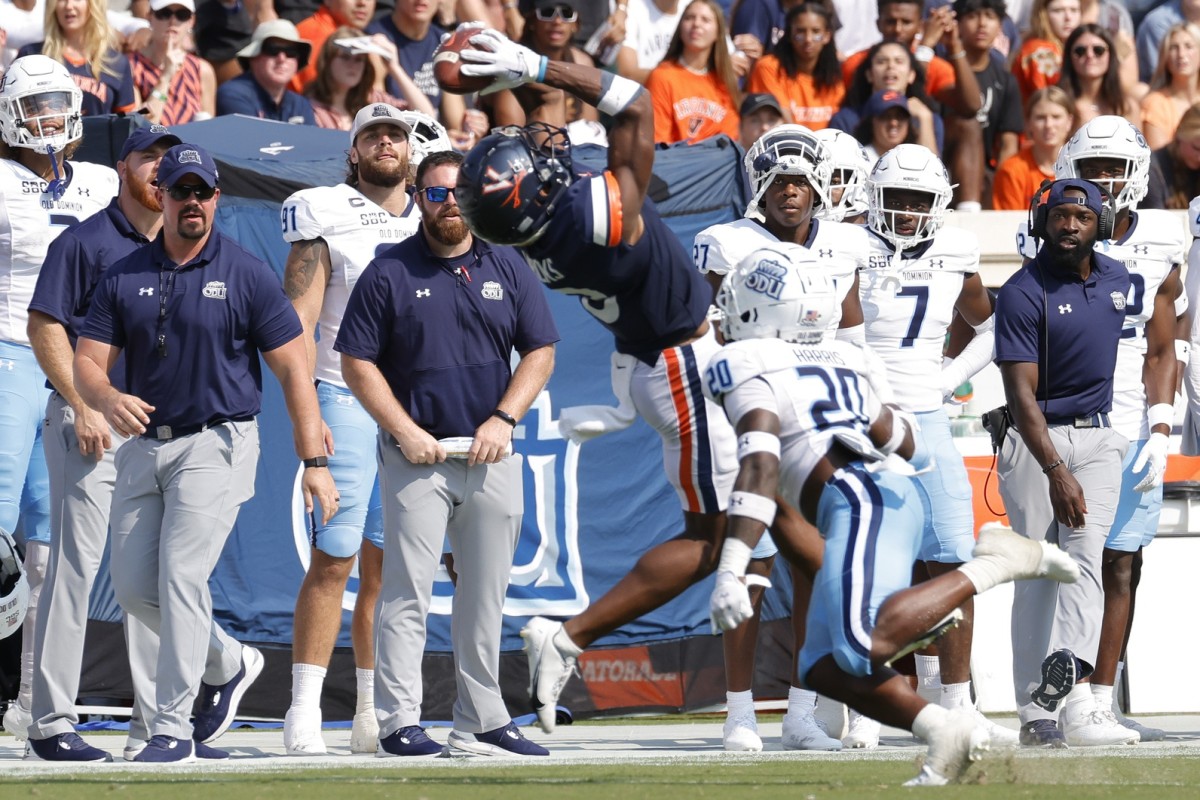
column 803, row 732
column 863, row 733
column 302, row 732
column 17, row 721
column 364, row 733
column 998, row 735
column 1146, row 733
column 1084, row 725
column 953, row 745
column 549, row 669
column 740, row 734
column 1023, row 558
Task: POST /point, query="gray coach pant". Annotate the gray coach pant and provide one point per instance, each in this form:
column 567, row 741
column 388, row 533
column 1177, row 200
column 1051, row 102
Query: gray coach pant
column 174, row 505
column 480, row 509
column 1047, row 615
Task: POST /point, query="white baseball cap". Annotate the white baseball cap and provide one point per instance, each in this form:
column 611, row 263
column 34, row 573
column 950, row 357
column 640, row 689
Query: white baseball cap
column 158, row 5
column 376, row 113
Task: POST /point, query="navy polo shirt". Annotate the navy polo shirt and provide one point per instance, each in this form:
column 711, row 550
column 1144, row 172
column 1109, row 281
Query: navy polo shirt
column 443, row 342
column 221, row 310
column 243, row 95
column 73, row 266
column 1084, row 321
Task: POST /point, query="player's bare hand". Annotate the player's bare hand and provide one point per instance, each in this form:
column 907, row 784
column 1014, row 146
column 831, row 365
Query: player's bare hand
column 317, row 484
column 493, row 441
column 92, row 432
column 128, row 414
column 1066, row 498
column 421, row 448
column 729, row 605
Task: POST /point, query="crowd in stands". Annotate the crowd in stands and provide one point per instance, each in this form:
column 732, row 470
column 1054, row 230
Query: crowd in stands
column 994, row 87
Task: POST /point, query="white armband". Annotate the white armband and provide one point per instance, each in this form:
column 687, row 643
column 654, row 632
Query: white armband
column 757, row 442
column 1181, row 304
column 902, row 422
column 1183, row 350
column 616, row 93
column 855, row 335
column 924, row 54
column 752, row 506
column 735, row 556
column 1160, row 414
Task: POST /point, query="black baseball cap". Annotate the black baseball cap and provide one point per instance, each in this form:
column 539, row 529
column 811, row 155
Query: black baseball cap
column 756, row 102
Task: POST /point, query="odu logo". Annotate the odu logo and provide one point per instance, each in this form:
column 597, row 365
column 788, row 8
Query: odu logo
column 380, row 110
column 767, row 279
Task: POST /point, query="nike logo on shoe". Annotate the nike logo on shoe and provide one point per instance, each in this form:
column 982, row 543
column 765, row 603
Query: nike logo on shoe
column 510, row 733
column 216, row 698
column 64, row 745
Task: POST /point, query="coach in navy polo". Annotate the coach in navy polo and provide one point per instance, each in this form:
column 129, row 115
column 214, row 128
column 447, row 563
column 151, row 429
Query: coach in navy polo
column 1058, row 321
column 426, row 344
column 192, row 311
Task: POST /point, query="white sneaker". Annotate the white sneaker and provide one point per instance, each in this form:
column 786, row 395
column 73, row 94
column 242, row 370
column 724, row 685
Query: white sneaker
column 1145, row 732
column 1084, row 725
column 1024, row 558
column 998, row 735
column 549, row 669
column 133, row 746
column 302, row 732
column 17, row 721
column 364, row 734
column 863, row 733
column 952, row 746
column 740, row 734
column 801, row 731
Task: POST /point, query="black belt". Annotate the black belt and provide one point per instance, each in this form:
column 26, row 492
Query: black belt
column 1099, row 420
column 165, row 433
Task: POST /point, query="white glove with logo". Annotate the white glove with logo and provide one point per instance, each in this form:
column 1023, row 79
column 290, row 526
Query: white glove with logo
column 1154, row 458
column 729, row 605
column 509, row 63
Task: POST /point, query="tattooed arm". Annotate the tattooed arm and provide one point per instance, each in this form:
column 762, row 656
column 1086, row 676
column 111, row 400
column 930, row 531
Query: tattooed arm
column 305, row 277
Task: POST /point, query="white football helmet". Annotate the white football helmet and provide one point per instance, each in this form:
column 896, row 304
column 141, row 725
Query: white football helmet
column 14, row 587
column 777, row 292
column 1109, row 137
column 40, row 105
column 428, row 136
column 911, row 167
column 787, row 150
column 850, row 165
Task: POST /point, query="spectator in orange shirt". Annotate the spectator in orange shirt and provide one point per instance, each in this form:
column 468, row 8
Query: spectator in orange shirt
column 1176, row 166
column 694, row 90
column 1039, row 60
column 1049, row 120
column 802, row 70
column 1175, row 86
column 1092, row 74
column 332, row 15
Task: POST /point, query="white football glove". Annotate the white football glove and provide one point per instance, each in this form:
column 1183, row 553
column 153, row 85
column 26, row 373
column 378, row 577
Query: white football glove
column 509, row 63
column 1154, row 459
column 729, row 605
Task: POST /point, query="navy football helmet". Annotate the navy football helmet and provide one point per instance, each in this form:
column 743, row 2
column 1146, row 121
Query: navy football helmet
column 509, row 183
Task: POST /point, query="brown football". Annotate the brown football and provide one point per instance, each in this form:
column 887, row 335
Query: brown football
column 447, row 64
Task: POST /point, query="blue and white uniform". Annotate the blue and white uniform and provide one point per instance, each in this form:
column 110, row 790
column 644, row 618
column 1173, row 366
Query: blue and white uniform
column 651, row 298
column 355, row 230
column 871, row 520
column 908, row 305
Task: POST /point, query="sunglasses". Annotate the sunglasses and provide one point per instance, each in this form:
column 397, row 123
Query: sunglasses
column 564, row 13
column 180, row 14
column 1081, row 50
column 437, row 194
column 272, row 49
column 181, row 191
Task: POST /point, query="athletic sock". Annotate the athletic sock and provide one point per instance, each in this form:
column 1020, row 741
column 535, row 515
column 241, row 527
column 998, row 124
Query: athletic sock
column 1103, row 696
column 307, row 680
column 929, row 678
column 956, row 695
column 801, row 701
column 1080, row 693
column 565, row 646
column 364, row 680
column 739, row 703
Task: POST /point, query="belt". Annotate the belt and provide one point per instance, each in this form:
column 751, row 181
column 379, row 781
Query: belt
column 1099, row 420
column 165, row 433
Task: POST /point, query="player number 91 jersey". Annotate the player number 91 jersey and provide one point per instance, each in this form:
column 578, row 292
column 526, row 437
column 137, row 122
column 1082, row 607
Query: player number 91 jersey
column 356, row 231
column 908, row 310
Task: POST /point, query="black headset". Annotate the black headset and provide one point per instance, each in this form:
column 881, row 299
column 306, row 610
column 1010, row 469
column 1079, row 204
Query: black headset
column 1039, row 211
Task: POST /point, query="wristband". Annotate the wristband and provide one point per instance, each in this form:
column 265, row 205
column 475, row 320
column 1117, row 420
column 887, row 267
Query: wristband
column 1183, row 349
column 616, row 93
column 958, row 55
column 1046, row 470
column 924, row 54
column 504, row 415
column 1161, row 414
column 757, row 442
column 1181, row 304
column 315, row 463
column 752, row 506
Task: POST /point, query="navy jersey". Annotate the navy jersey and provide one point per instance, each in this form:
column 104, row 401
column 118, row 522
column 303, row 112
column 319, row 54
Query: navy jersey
column 214, row 315
column 649, row 296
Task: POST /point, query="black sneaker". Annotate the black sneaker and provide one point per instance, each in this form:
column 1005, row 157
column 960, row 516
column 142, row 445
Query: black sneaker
column 219, row 704
column 64, row 747
column 1042, row 733
column 163, row 749
column 1060, row 673
column 505, row 741
column 409, row 741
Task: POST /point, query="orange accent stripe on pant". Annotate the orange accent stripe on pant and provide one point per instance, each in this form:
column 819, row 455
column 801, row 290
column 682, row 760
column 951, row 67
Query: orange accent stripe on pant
column 679, row 397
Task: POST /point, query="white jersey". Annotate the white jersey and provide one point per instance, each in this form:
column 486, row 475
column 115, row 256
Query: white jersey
column 818, row 391
column 908, row 310
column 31, row 220
column 355, row 230
column 648, row 31
column 842, row 250
column 1150, row 249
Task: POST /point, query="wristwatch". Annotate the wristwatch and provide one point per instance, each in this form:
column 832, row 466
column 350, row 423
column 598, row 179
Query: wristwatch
column 319, row 461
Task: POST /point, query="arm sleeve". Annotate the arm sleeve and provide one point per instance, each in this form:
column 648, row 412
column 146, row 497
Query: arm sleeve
column 274, row 321
column 102, row 323
column 60, row 288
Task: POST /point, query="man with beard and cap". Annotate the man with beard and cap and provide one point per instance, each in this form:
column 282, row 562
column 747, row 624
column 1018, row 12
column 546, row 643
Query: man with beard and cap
column 335, row 231
column 1058, row 324
column 81, row 453
column 426, row 344
column 192, row 312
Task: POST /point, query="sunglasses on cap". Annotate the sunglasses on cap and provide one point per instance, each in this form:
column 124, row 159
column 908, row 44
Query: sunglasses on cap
column 181, row 191
column 272, row 49
column 1081, row 50
column 180, row 13
column 564, row 13
column 437, row 194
